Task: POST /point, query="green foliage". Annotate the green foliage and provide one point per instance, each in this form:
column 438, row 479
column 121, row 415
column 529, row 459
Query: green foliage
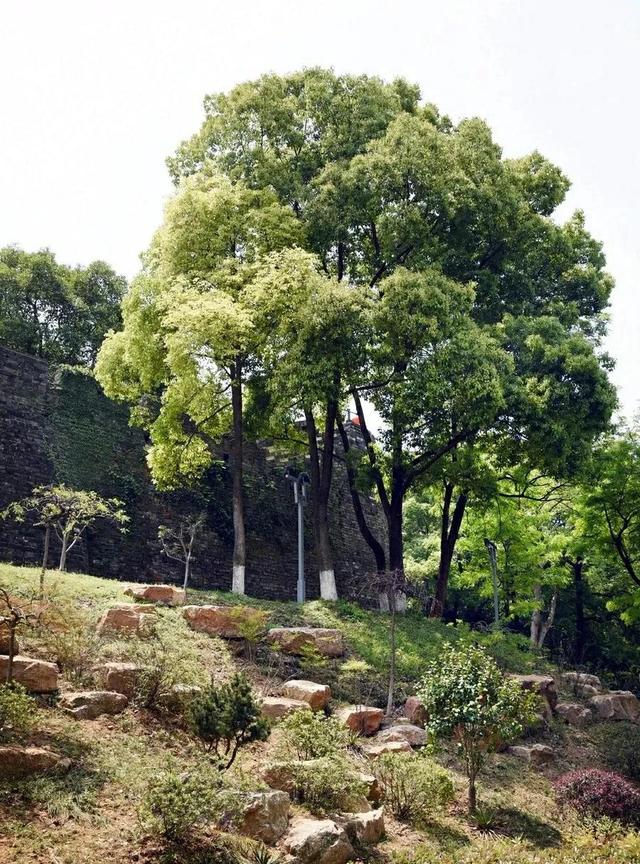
column 619, row 746
column 17, row 711
column 327, row 785
column 56, row 312
column 251, row 625
column 467, row 697
column 226, row 717
column 412, row 786
column 68, row 636
column 311, row 735
column 176, row 802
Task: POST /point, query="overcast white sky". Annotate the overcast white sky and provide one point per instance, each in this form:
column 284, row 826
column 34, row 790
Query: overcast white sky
column 94, row 96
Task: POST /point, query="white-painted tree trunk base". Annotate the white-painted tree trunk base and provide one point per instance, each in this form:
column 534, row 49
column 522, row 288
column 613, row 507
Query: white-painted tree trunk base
column 328, row 590
column 237, row 583
column 401, row 602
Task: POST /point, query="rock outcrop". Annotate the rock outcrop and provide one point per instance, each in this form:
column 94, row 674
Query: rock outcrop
column 125, row 618
column 616, row 705
column 265, row 816
column 413, row 735
column 163, row 595
column 361, row 719
column 223, row 621
column 316, row 695
column 415, row 711
column 297, row 640
column 17, row 762
column 120, row 677
column 36, row 676
column 573, row 713
column 544, row 686
column 277, row 707
column 89, row 704
column 364, row 829
column 375, row 750
column 314, row 841
column 535, row 755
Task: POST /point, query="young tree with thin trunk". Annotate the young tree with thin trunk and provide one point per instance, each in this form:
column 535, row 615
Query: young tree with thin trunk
column 14, row 615
column 187, row 352
column 178, row 543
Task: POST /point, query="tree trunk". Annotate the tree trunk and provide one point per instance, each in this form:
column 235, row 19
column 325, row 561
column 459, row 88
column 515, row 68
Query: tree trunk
column 45, row 558
column 187, row 567
column 472, row 795
column 539, row 625
column 373, row 543
column 392, row 659
column 581, row 625
column 449, row 533
column 63, row 553
column 239, row 540
column 321, row 468
column 12, row 652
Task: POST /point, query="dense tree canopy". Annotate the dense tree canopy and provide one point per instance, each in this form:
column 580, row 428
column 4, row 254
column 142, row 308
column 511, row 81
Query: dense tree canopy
column 56, row 312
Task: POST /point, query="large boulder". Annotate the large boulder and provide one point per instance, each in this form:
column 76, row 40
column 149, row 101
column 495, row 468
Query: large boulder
column 265, row 816
column 364, row 829
column 361, row 719
column 413, row 735
column 120, row 677
column 578, row 680
column 374, row 750
column 277, row 707
column 543, row 685
column 616, row 705
column 89, row 704
column 36, row 676
column 316, row 695
column 17, row 762
column 573, row 713
column 297, row 640
column 163, row 595
column 314, row 841
column 223, row 621
column 124, row 618
column 280, row 775
column 535, row 755
column 415, row 711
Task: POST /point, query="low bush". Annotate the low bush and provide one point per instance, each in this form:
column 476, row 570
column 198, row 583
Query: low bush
column 308, row 735
column 17, row 711
column 597, row 793
column 327, row 785
column 412, row 785
column 619, row 746
column 68, row 636
column 176, row 802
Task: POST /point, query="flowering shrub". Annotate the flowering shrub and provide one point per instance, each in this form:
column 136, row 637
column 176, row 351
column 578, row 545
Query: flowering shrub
column 593, row 792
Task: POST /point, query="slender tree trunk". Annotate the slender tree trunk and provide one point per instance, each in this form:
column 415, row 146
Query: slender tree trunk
column 373, row 543
column 392, row 659
column 63, row 553
column 540, row 626
column 45, row 558
column 581, row 626
column 321, row 468
column 187, row 567
column 472, row 801
column 239, row 540
column 449, row 532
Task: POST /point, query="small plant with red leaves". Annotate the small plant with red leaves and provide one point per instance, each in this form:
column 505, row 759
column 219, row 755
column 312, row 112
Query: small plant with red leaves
column 597, row 793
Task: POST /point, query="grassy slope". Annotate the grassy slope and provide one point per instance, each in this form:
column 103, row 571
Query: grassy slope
column 90, row 814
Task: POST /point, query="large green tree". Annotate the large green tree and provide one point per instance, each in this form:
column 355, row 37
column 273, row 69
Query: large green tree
column 188, row 348
column 56, row 312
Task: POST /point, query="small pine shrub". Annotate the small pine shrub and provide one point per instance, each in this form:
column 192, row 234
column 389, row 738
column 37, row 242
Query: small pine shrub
column 597, row 793
column 252, row 625
column 619, row 746
column 17, row 711
column 227, row 717
column 308, row 735
column 68, row 635
column 327, row 785
column 412, row 785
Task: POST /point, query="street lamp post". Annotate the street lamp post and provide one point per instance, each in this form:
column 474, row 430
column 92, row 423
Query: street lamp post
column 300, row 481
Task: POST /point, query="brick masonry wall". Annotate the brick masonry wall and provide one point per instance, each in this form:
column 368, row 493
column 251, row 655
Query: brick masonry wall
column 57, row 426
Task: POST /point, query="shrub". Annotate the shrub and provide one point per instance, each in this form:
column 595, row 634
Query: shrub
column 17, row 710
column 251, row 624
column 69, row 637
column 175, row 802
column 411, row 785
column 327, row 785
column 597, row 793
column 227, row 717
column 619, row 746
column 467, row 697
column 308, row 735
